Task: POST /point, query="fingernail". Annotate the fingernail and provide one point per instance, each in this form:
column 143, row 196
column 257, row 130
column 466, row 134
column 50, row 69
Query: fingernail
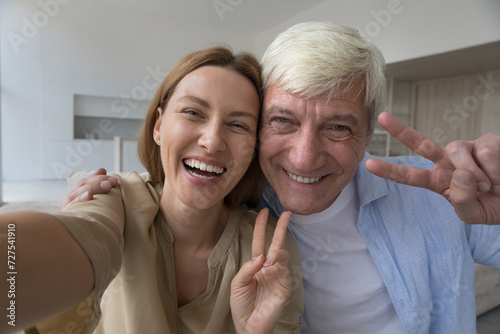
column 496, row 190
column 84, row 196
column 267, row 263
column 105, row 185
column 461, row 181
column 256, row 259
column 483, row 187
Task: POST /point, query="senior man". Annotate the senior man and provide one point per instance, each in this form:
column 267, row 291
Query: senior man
column 387, row 246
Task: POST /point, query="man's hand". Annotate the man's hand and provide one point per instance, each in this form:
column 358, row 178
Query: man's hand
column 263, row 285
column 97, row 183
column 466, row 173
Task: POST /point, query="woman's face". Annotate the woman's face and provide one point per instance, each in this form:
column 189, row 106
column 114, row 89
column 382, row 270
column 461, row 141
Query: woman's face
column 207, row 135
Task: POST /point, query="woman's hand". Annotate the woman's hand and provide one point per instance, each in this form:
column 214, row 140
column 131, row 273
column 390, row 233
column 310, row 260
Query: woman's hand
column 262, row 286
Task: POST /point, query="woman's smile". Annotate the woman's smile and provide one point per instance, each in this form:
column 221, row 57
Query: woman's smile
column 203, row 170
column 207, row 137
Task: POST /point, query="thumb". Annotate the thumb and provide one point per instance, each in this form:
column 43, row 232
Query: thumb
column 247, row 272
column 463, row 196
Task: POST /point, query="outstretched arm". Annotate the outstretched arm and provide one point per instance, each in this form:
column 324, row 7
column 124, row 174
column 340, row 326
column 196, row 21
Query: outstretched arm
column 466, row 173
column 262, row 286
column 45, row 271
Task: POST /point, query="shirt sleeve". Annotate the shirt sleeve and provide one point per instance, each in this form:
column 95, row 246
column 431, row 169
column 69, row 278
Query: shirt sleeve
column 484, row 241
column 98, row 226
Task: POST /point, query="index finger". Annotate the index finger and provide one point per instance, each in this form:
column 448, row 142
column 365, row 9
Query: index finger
column 259, row 233
column 280, row 232
column 411, row 138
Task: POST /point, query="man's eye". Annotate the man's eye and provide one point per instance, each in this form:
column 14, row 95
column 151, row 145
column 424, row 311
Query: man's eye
column 282, row 120
column 282, row 124
column 339, row 132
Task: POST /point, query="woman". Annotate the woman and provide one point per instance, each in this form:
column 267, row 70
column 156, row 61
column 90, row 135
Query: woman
column 178, row 239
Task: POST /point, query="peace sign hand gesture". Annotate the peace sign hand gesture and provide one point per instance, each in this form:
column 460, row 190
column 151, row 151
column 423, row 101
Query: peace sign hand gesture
column 262, row 286
column 467, row 174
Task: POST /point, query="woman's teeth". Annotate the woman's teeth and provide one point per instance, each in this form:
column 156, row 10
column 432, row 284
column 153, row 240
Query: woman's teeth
column 203, row 167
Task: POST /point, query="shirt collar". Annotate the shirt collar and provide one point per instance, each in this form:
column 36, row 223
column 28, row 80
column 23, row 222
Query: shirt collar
column 370, row 187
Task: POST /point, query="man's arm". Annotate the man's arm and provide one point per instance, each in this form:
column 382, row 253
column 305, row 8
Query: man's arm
column 466, row 173
column 45, row 271
column 98, row 183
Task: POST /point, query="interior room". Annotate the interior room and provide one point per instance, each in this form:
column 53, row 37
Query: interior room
column 77, row 75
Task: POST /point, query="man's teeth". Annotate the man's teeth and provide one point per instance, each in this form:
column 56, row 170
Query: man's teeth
column 203, row 166
column 304, row 179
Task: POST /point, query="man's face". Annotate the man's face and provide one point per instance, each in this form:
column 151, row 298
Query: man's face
column 309, row 149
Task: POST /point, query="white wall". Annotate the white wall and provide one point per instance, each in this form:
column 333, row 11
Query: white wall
column 406, row 29
column 86, row 48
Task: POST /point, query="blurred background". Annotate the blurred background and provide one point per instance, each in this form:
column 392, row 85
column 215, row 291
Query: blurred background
column 77, row 76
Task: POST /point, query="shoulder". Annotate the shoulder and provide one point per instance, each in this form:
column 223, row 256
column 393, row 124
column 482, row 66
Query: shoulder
column 138, row 187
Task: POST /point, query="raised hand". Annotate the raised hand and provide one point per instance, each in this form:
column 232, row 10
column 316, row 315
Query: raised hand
column 97, row 183
column 262, row 286
column 465, row 173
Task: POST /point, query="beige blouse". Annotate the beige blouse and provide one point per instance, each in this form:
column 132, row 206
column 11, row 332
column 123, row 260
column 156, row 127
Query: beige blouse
column 131, row 250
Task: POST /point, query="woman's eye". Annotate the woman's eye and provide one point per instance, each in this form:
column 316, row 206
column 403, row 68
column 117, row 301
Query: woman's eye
column 239, row 126
column 192, row 112
column 236, row 125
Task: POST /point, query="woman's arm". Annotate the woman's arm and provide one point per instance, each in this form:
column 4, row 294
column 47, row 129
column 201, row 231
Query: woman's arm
column 44, row 271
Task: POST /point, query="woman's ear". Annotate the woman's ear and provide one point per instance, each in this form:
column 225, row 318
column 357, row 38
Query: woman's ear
column 157, row 128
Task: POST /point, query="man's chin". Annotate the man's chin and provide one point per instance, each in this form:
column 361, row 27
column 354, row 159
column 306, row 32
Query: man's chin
column 304, row 208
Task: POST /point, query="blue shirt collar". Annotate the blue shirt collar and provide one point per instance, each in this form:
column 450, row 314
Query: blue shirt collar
column 370, row 187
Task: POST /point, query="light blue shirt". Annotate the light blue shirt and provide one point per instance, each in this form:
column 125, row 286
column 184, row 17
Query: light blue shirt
column 424, row 252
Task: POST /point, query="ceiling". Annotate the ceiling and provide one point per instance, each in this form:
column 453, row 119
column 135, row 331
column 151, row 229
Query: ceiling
column 466, row 61
column 234, row 15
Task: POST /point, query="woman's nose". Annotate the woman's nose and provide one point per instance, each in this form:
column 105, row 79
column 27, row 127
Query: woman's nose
column 212, row 137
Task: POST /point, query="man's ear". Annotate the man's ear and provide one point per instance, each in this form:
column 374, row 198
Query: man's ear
column 157, row 128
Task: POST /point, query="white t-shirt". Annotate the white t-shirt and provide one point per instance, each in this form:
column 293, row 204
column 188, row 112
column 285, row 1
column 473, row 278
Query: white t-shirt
column 343, row 289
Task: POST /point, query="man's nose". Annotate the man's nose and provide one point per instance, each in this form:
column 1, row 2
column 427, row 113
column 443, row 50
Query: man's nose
column 306, row 151
column 212, row 137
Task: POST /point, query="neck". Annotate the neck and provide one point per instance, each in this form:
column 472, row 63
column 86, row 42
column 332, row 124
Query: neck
column 192, row 227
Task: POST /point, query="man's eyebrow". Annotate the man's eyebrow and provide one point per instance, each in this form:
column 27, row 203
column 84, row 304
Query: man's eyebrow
column 276, row 109
column 344, row 117
column 336, row 117
column 194, row 99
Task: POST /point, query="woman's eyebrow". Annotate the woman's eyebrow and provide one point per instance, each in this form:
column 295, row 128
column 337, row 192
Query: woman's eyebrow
column 204, row 103
column 194, row 99
column 239, row 113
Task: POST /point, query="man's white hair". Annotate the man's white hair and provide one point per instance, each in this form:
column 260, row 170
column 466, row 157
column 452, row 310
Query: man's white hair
column 315, row 59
